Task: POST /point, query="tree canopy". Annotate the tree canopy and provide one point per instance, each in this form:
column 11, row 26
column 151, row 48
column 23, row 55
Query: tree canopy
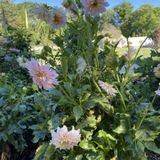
column 140, row 22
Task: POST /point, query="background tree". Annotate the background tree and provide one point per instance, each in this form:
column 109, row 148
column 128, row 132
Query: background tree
column 109, row 17
column 122, row 12
column 141, row 22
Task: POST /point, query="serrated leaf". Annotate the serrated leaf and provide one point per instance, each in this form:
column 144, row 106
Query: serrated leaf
column 86, row 145
column 78, row 112
column 105, row 135
column 121, row 129
column 152, row 147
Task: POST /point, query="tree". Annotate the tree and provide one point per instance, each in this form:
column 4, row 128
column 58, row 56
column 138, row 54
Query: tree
column 123, row 11
column 141, row 22
column 109, row 17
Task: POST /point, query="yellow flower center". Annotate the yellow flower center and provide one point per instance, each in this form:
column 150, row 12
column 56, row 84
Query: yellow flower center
column 39, row 74
column 57, row 19
column 94, row 3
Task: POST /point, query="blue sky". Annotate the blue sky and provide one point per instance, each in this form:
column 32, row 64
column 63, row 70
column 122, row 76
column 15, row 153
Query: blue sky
column 136, row 3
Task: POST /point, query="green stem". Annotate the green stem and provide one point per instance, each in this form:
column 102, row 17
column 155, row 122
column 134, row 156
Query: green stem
column 96, row 85
column 66, row 94
column 122, row 99
column 26, row 18
column 145, row 113
column 96, row 59
column 130, row 64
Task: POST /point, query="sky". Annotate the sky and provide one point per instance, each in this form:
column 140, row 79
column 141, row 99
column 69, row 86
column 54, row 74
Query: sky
column 136, row 3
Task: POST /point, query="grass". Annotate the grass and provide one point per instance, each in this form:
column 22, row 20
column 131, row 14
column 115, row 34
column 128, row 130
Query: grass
column 144, row 52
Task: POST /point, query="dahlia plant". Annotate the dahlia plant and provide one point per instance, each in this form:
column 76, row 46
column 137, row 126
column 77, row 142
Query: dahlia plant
column 112, row 117
column 79, row 104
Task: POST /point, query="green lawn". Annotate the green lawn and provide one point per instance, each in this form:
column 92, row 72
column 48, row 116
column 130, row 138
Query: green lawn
column 145, row 52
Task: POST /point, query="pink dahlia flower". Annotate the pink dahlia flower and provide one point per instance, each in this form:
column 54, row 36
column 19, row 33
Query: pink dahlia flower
column 94, row 7
column 64, row 139
column 108, row 88
column 58, row 18
column 42, row 75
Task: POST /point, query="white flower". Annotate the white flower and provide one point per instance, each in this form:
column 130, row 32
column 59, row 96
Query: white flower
column 108, row 88
column 81, row 65
column 157, row 92
column 64, row 139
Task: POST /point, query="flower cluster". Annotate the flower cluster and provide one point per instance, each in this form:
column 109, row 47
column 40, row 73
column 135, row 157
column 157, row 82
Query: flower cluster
column 57, row 17
column 64, row 139
column 42, row 75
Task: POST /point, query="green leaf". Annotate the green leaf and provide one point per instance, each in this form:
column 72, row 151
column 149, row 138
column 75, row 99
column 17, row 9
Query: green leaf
column 40, row 152
column 121, row 129
column 49, row 154
column 103, row 134
column 86, row 145
column 152, row 147
column 55, row 122
column 78, row 112
column 79, row 157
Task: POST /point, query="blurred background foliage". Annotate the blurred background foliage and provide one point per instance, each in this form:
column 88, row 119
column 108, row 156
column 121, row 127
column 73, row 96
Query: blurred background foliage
column 123, row 19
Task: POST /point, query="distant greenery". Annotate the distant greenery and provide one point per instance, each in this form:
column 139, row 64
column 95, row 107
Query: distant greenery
column 140, row 22
column 144, row 52
column 14, row 16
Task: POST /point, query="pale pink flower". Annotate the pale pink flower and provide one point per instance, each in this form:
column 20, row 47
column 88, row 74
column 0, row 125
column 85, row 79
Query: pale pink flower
column 157, row 71
column 94, row 7
column 42, row 75
column 108, row 88
column 58, row 18
column 64, row 139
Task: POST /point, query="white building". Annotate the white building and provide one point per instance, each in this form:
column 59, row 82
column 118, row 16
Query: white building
column 135, row 42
